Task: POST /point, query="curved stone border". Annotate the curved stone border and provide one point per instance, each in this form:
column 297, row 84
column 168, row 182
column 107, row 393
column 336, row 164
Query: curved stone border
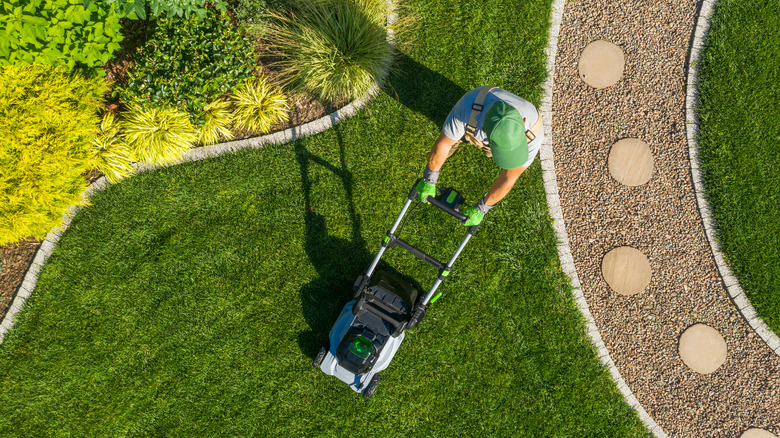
column 692, row 128
column 201, row 153
column 556, row 213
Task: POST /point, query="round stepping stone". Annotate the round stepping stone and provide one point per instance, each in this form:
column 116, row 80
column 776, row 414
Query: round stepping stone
column 631, row 162
column 702, row 348
column 757, row 433
column 626, row 270
column 601, row 64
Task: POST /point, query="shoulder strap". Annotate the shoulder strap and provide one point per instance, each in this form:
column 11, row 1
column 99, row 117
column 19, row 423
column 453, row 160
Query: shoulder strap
column 476, row 108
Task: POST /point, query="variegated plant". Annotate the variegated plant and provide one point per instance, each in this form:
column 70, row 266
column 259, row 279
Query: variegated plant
column 217, row 118
column 111, row 154
column 258, row 106
column 157, row 135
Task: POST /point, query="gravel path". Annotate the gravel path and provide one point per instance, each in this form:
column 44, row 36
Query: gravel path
column 659, row 218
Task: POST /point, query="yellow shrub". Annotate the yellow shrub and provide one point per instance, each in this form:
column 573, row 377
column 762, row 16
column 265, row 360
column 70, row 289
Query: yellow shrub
column 48, row 119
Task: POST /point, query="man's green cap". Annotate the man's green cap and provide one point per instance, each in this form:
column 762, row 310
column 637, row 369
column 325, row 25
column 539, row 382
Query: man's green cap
column 505, row 131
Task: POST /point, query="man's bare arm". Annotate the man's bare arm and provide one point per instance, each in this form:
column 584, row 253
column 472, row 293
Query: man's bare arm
column 503, row 185
column 440, row 152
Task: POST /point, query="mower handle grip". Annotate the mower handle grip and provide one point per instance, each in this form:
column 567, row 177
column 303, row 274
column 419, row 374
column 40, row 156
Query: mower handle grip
column 451, row 211
column 435, row 202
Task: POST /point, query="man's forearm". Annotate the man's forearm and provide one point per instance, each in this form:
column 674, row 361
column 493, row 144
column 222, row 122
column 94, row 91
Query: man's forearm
column 502, row 185
column 440, row 152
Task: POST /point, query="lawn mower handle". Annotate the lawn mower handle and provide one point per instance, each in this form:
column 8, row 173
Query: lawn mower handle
column 436, row 203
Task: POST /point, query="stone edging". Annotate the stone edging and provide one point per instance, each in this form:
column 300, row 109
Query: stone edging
column 692, row 128
column 314, row 127
column 556, row 213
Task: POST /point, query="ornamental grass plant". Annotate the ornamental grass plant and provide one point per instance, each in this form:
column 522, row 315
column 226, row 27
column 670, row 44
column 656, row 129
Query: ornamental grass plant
column 110, row 153
column 216, row 118
column 333, row 49
column 157, row 135
column 258, row 105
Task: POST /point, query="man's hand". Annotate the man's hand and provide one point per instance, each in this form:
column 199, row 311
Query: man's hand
column 475, row 216
column 425, row 189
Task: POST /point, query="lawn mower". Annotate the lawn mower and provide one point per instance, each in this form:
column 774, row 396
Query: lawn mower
column 371, row 327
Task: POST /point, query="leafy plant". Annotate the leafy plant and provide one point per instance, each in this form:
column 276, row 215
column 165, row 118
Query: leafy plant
column 172, row 8
column 58, row 32
column 334, row 49
column 253, row 12
column 217, row 118
column 48, row 119
column 157, row 136
column 258, row 106
column 188, row 63
column 111, row 154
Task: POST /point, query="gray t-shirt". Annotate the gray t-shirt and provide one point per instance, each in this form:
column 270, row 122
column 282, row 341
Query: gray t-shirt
column 455, row 125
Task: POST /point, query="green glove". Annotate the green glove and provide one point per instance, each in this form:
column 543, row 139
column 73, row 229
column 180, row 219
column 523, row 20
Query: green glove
column 475, row 216
column 425, row 189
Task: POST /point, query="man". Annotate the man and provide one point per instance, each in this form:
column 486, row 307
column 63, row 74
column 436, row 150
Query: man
column 503, row 126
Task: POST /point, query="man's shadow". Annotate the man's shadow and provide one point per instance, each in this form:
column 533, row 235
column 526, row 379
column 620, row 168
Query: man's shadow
column 338, row 261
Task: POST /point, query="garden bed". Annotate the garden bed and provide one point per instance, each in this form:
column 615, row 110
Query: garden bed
column 15, row 259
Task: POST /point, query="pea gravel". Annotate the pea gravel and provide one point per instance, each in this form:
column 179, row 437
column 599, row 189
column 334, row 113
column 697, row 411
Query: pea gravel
column 659, row 218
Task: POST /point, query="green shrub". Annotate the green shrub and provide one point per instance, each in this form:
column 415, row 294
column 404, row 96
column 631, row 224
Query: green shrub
column 333, row 49
column 172, row 8
column 110, row 153
column 252, row 12
column 157, row 136
column 258, row 106
column 58, row 32
column 188, row 63
column 48, row 119
column 216, row 120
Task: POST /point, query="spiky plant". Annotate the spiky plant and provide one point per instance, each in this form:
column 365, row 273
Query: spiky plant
column 334, row 49
column 258, row 106
column 217, row 118
column 157, row 135
column 111, row 154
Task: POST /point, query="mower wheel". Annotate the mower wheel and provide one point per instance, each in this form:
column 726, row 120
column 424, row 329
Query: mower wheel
column 320, row 357
column 369, row 391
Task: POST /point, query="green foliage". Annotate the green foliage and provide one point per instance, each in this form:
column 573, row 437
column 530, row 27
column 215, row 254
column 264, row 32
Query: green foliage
column 111, row 154
column 188, row 63
column 334, row 49
column 252, row 12
column 58, row 32
column 258, row 106
column 157, row 136
column 48, row 119
column 216, row 120
column 171, row 8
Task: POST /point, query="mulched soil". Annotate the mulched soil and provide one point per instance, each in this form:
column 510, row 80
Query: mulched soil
column 15, row 261
column 659, row 218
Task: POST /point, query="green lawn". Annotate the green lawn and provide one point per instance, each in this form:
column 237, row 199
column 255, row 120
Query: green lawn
column 739, row 143
column 190, row 301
